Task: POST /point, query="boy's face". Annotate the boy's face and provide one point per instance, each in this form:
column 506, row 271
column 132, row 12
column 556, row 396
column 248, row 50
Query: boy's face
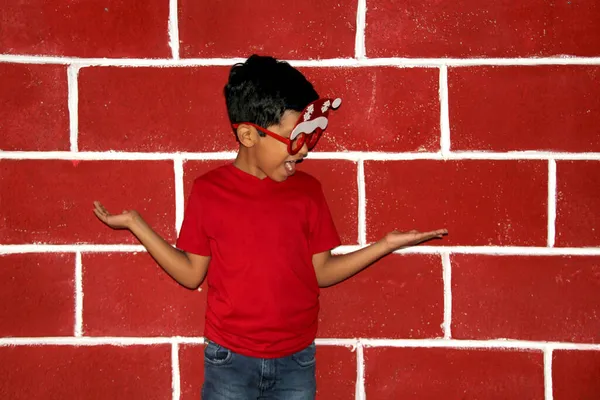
column 272, row 156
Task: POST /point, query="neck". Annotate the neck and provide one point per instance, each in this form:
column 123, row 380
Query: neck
column 246, row 161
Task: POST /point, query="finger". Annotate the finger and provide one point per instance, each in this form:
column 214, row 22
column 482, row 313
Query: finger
column 428, row 235
column 100, row 216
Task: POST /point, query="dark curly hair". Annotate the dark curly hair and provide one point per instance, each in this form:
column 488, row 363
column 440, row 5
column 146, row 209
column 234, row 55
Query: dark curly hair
column 262, row 88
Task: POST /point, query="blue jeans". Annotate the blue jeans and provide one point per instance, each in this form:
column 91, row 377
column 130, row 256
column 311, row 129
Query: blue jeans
column 232, row 376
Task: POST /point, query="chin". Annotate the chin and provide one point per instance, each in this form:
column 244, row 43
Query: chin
column 279, row 178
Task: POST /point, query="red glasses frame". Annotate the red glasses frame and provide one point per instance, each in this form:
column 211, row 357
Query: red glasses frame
column 313, row 118
column 293, row 145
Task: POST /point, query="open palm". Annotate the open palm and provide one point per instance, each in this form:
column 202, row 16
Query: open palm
column 115, row 221
column 397, row 240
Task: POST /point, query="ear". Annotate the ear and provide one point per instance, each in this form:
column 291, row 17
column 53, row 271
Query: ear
column 247, row 135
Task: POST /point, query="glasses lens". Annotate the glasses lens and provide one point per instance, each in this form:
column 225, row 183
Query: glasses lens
column 297, row 143
column 313, row 139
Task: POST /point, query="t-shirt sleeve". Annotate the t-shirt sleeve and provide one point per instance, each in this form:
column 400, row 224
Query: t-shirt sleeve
column 323, row 234
column 192, row 236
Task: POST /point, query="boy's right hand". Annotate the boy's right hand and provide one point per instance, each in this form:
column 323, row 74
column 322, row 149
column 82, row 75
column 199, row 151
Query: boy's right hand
column 115, row 221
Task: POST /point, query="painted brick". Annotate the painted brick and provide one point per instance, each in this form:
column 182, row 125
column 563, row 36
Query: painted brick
column 50, row 201
column 383, row 108
column 130, row 295
column 575, row 374
column 336, row 372
column 183, row 109
column 339, row 182
column 577, row 203
column 33, row 107
column 479, row 202
column 191, row 370
column 86, row 372
column 37, row 295
column 287, row 29
column 340, row 186
column 154, row 109
column 525, row 108
column 438, row 373
column 113, row 28
column 515, row 297
column 401, row 296
column 470, row 28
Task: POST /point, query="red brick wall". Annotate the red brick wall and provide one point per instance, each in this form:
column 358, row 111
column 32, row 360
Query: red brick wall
column 482, row 118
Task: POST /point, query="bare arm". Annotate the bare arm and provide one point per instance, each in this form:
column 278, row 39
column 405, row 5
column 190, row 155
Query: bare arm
column 331, row 269
column 186, row 268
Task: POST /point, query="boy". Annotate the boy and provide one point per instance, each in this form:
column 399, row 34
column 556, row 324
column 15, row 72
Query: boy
column 262, row 234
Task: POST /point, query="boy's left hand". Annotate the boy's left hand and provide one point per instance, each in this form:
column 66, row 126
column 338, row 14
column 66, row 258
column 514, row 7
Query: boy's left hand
column 396, row 240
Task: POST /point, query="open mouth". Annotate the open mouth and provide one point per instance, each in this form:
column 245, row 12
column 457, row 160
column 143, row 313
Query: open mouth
column 290, row 167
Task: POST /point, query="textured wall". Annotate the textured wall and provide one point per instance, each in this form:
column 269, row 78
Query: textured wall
column 481, row 118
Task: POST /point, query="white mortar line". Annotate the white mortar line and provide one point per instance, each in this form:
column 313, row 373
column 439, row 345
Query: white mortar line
column 551, row 202
column 173, row 27
column 361, row 23
column 70, row 248
column 407, row 343
column 362, row 204
column 444, row 112
column 332, row 62
column 548, row 374
column 360, row 393
column 349, row 155
column 447, row 275
column 483, row 250
column 352, row 343
column 97, row 341
column 73, row 105
column 176, row 377
column 78, row 331
column 478, row 344
column 179, row 194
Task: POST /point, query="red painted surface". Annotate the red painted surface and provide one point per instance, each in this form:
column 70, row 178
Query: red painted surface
column 86, row 372
column 479, row 202
column 286, row 29
column 525, row 108
column 577, row 203
column 472, row 29
column 33, row 107
column 383, row 108
column 527, row 298
column 50, row 201
column 109, row 28
column 422, row 373
column 400, row 297
column 339, row 181
column 153, row 109
column 129, row 295
column 575, row 374
column 191, row 367
column 385, row 111
column 37, row 295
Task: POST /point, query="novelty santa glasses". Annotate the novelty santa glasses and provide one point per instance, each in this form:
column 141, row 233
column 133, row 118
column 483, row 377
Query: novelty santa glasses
column 309, row 127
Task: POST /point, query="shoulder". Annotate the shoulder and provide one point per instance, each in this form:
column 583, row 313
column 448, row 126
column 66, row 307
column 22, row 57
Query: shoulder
column 209, row 179
column 212, row 176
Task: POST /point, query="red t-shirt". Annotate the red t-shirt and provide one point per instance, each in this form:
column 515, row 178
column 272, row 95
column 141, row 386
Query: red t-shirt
column 263, row 295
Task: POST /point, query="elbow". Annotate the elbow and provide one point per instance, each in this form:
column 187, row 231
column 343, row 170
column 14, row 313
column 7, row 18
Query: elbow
column 194, row 283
